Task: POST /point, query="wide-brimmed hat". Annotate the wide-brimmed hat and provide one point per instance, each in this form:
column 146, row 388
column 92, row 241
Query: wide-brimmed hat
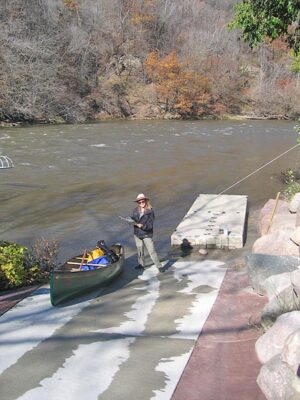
column 141, row 196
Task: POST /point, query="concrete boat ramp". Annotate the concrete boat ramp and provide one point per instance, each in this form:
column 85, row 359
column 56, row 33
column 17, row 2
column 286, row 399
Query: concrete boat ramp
column 138, row 339
column 214, row 221
column 132, row 340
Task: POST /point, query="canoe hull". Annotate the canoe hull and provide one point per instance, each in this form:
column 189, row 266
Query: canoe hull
column 66, row 284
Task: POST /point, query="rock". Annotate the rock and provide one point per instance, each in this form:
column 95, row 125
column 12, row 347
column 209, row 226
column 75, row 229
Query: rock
column 291, row 352
column 295, row 236
column 274, row 269
column 275, row 243
column 272, row 342
column 283, row 222
column 295, row 280
column 203, row 252
column 298, row 217
column 294, row 203
column 275, row 284
column 169, row 115
column 284, row 302
column 282, row 219
column 262, row 266
column 278, row 382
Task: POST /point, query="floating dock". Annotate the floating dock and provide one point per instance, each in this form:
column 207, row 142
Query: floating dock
column 214, row 221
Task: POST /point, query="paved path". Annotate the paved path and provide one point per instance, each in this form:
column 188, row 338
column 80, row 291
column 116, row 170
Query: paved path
column 12, row 297
column 132, row 340
column 223, row 364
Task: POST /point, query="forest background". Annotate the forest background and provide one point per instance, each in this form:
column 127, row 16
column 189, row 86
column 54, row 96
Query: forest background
column 78, row 60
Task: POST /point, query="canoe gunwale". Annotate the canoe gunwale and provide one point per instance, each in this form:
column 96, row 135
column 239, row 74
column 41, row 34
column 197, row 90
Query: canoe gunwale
column 66, row 284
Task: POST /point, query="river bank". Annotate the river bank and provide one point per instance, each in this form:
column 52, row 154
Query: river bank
column 167, row 116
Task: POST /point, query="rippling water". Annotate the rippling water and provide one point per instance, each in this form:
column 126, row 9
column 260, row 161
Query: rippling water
column 70, row 182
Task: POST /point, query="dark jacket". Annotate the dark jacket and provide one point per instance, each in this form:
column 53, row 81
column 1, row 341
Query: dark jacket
column 147, row 220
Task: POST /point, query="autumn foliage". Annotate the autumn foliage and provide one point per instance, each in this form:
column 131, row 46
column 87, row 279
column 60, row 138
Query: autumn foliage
column 71, row 5
column 76, row 60
column 178, row 88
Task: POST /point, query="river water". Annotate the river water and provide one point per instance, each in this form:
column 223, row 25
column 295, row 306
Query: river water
column 70, row 182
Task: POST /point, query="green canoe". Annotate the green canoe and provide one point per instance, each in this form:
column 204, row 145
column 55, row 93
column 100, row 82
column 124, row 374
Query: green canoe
column 69, row 282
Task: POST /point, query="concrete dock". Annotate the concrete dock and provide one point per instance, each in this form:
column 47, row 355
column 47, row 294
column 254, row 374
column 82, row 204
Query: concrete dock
column 214, row 221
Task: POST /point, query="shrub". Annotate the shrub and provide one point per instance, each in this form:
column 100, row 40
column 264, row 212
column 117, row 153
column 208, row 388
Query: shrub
column 20, row 267
column 292, row 186
column 44, row 253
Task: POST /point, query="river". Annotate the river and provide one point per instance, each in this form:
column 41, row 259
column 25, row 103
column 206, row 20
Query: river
column 70, row 182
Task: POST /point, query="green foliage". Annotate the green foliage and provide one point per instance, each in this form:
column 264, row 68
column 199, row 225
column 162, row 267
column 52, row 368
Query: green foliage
column 267, row 18
column 292, row 186
column 295, row 66
column 12, row 259
column 18, row 266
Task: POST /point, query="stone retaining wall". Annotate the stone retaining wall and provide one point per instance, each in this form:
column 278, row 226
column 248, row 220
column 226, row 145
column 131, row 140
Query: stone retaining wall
column 274, row 271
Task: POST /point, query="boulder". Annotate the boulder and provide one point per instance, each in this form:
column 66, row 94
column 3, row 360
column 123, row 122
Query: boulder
column 276, row 243
column 272, row 342
column 275, row 284
column 295, row 236
column 262, row 266
column 294, row 203
column 283, row 222
column 203, row 252
column 277, row 381
column 291, row 352
column 295, row 281
column 282, row 219
column 284, row 302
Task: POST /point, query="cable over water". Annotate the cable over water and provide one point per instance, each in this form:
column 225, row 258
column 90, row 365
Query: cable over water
column 259, row 169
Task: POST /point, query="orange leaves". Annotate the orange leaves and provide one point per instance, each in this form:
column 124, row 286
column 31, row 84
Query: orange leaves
column 163, row 69
column 139, row 18
column 71, row 5
column 284, row 83
column 178, row 87
column 141, row 12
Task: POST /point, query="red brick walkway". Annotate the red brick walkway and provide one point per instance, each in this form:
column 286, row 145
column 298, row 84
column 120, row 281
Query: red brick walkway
column 223, row 364
column 10, row 298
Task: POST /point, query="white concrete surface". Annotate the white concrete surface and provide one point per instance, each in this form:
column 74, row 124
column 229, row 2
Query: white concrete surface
column 29, row 323
column 214, row 221
column 132, row 342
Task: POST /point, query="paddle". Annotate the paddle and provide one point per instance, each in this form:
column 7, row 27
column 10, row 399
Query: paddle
column 83, row 258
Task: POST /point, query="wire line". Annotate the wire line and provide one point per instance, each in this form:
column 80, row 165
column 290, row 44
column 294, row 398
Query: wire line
column 260, row 168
